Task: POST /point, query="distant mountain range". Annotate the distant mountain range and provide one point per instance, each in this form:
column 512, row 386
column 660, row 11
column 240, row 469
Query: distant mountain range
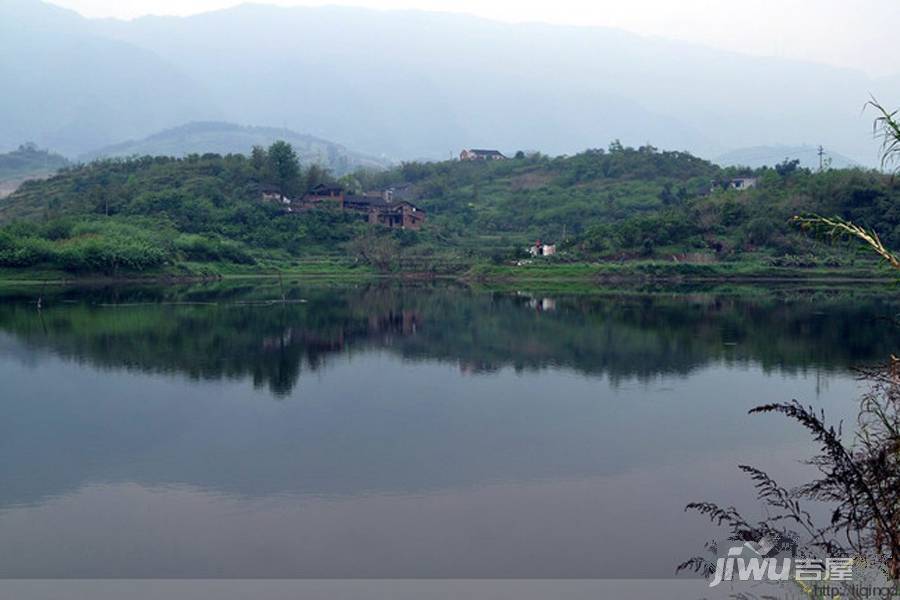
column 228, row 138
column 762, row 156
column 410, row 84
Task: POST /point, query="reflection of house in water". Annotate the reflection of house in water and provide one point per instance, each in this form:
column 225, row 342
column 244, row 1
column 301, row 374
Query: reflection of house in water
column 311, row 342
column 539, row 304
column 382, row 327
column 404, row 322
column 313, row 346
column 542, row 304
column 472, row 367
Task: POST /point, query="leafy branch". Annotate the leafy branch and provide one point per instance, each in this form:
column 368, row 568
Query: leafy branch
column 887, row 128
column 838, row 227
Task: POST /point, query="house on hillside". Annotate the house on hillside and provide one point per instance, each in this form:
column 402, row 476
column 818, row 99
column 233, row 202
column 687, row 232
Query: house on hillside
column 379, row 211
column 476, row 154
column 401, row 191
column 743, row 183
column 322, row 196
column 272, row 193
column 377, row 208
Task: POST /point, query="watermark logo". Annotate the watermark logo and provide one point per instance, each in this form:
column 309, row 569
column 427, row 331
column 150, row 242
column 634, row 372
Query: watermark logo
column 760, row 561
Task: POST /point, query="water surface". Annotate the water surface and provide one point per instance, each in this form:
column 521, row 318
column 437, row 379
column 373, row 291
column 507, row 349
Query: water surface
column 391, row 430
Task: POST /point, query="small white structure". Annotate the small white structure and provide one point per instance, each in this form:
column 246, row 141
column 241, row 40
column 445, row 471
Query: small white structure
column 743, row 183
column 480, row 154
column 541, row 249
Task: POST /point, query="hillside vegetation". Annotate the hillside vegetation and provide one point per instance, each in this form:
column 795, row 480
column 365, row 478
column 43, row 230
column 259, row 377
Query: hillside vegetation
column 625, row 203
column 228, row 138
column 618, row 204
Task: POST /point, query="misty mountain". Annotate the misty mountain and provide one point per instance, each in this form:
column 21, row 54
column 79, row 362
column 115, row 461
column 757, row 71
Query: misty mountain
column 68, row 88
column 28, row 160
column 416, row 84
column 228, row 138
column 769, row 156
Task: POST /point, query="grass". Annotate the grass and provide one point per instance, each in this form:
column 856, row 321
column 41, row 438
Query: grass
column 326, row 269
column 651, row 270
column 537, row 272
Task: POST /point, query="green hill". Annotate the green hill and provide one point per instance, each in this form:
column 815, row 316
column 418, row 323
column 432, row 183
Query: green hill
column 228, row 138
column 619, row 204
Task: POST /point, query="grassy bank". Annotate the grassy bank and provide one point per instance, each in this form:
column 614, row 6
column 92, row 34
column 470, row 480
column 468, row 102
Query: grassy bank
column 323, row 269
column 537, row 273
column 658, row 270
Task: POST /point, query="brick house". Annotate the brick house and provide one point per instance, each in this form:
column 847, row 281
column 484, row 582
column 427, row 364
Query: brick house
column 378, row 211
column 377, row 208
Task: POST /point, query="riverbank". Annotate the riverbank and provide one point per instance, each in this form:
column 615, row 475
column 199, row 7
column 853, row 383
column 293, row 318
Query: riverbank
column 480, row 273
column 611, row 272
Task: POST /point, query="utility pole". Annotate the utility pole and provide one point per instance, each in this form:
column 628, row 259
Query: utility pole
column 821, row 154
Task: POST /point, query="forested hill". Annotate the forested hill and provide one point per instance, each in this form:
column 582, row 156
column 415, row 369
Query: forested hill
column 617, row 204
column 536, row 195
column 229, row 138
column 639, row 202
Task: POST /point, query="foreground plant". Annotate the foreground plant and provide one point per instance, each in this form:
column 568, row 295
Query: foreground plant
column 886, row 128
column 860, row 481
column 836, row 227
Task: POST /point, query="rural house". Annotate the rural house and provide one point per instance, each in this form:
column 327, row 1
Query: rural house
column 542, row 249
column 475, row 154
column 271, row 193
column 377, row 208
column 378, row 211
column 743, row 183
column 321, row 196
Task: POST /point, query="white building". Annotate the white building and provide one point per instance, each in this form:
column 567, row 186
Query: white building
column 541, row 249
column 743, row 183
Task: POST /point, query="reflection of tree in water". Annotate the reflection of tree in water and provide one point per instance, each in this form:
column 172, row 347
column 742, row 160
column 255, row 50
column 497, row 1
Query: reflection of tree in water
column 859, row 482
column 220, row 331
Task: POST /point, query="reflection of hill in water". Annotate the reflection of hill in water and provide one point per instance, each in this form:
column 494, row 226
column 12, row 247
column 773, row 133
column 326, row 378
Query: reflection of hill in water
column 236, row 332
column 378, row 424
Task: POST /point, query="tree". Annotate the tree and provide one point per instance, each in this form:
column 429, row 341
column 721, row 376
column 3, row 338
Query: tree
column 259, row 159
column 378, row 251
column 666, row 195
column 787, row 167
column 315, row 175
column 285, row 166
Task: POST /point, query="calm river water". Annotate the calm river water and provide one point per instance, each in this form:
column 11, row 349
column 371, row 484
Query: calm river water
column 391, row 430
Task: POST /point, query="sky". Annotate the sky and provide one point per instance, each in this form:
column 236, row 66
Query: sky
column 857, row 34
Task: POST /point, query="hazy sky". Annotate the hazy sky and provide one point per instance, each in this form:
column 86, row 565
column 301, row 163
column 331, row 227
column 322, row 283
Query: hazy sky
column 849, row 33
